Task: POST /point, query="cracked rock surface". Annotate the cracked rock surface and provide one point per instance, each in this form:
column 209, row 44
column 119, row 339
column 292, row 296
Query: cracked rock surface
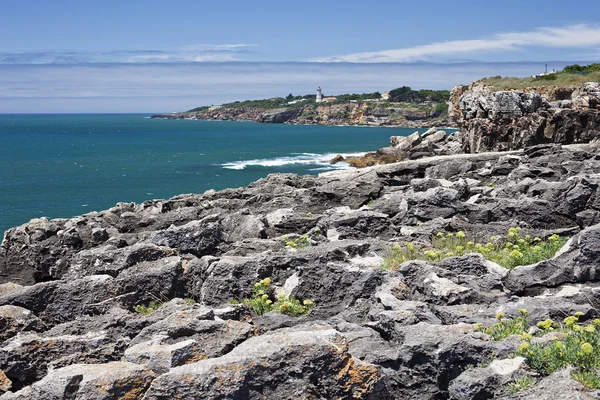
column 69, row 287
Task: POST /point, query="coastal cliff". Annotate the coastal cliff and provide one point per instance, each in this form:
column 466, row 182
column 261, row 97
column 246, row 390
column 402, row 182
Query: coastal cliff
column 340, row 285
column 368, row 114
column 493, row 120
column 505, row 120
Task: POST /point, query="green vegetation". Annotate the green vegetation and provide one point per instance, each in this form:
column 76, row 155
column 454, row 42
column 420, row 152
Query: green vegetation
column 440, row 109
column 406, row 94
column 578, row 69
column 298, row 243
column 345, row 98
column 150, row 308
column 519, row 384
column 509, row 251
column 577, row 346
column 573, row 344
column 261, row 301
column 571, row 75
column 434, row 98
column 276, row 102
column 189, row 301
column 506, row 327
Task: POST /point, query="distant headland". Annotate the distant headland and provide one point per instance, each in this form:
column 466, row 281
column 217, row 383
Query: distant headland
column 398, row 107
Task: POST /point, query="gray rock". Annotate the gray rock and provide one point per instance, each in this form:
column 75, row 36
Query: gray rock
column 196, row 237
column 404, row 143
column 560, row 385
column 89, row 381
column 486, row 383
column 15, row 319
column 26, row 358
column 262, row 365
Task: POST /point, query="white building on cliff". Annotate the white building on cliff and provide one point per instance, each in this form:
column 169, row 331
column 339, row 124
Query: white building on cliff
column 319, row 95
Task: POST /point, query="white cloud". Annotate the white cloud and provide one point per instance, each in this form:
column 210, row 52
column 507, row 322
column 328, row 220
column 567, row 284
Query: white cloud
column 191, row 53
column 204, row 47
column 167, row 87
column 573, row 36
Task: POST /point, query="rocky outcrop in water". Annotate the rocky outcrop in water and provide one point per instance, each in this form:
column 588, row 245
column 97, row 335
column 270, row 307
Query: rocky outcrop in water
column 433, row 142
column 71, row 287
column 506, row 120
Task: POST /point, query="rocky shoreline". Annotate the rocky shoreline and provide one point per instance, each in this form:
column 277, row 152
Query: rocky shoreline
column 500, row 121
column 286, row 289
column 350, row 114
column 72, row 287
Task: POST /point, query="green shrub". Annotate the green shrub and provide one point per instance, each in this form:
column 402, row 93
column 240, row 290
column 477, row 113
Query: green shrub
column 549, row 77
column 509, row 252
column 519, row 384
column 575, row 345
column 578, row 347
column 189, row 301
column 261, row 301
column 506, row 327
column 149, row 309
column 292, row 306
column 298, row 243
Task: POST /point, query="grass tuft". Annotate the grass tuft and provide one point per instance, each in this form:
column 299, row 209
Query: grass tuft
column 506, row 327
column 561, row 79
column 510, row 251
column 519, row 384
column 261, row 301
column 577, row 346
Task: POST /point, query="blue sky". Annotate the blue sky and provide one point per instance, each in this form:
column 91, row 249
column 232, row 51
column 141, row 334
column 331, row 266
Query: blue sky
column 150, row 56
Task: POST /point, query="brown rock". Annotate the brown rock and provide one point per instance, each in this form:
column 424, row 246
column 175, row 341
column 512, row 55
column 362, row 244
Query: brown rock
column 337, row 159
column 5, row 383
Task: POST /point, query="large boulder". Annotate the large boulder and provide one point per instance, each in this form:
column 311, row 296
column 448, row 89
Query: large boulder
column 116, row 380
column 262, row 366
column 404, row 143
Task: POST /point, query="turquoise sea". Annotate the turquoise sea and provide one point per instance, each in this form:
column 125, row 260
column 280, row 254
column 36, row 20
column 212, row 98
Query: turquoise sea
column 67, row 165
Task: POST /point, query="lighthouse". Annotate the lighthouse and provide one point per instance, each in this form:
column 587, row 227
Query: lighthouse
column 319, row 95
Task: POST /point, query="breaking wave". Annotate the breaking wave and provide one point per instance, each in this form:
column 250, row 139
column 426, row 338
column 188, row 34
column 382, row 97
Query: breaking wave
column 319, row 161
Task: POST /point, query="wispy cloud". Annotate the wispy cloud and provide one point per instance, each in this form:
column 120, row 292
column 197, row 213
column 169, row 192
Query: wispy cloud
column 168, row 87
column 572, row 36
column 190, row 53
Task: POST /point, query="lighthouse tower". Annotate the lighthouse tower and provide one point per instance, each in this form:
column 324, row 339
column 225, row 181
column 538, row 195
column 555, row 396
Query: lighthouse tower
column 319, row 95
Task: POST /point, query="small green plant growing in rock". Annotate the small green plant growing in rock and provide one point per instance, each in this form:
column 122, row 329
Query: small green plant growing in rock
column 490, row 359
column 149, row 309
column 153, row 305
column 189, row 301
column 519, row 384
column 299, row 243
column 261, row 301
column 292, row 306
column 577, row 346
column 509, row 251
column 572, row 344
column 506, row 327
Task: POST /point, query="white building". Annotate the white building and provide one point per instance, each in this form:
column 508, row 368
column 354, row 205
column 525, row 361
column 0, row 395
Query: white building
column 319, row 95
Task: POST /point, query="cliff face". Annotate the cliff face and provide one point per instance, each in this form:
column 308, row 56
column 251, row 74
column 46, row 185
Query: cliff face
column 506, row 120
column 326, row 114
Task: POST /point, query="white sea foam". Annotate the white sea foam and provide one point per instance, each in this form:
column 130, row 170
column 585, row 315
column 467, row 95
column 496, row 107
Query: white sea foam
column 319, row 161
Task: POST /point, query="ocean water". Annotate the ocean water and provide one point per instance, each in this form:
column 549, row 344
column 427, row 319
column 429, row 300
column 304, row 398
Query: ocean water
column 68, row 165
